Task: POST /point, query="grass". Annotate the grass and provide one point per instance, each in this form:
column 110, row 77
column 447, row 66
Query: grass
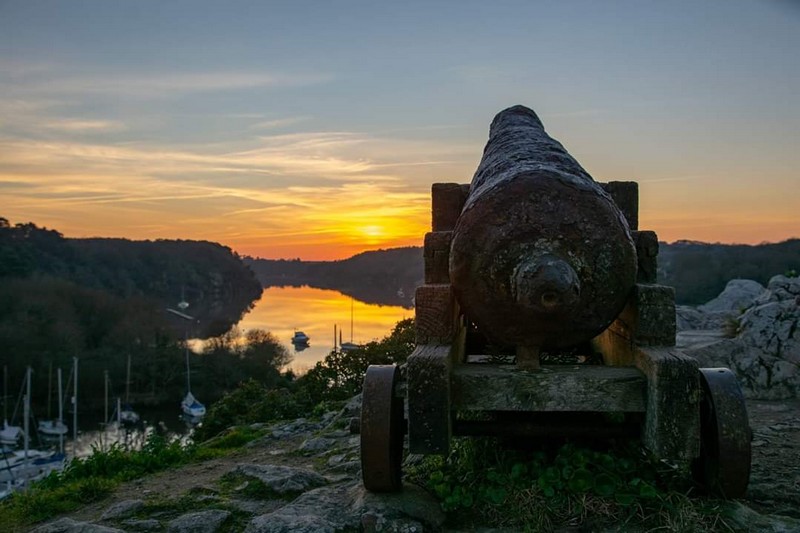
column 624, row 489
column 94, row 478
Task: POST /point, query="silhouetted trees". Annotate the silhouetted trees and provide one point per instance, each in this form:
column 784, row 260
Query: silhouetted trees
column 103, row 300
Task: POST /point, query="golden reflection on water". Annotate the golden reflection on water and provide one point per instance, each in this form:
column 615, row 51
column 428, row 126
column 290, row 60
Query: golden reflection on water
column 284, row 310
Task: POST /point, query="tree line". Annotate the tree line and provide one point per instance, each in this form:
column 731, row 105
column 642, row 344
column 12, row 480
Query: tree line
column 105, row 300
column 698, row 271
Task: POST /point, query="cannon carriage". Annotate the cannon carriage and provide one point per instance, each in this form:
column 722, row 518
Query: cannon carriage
column 539, row 316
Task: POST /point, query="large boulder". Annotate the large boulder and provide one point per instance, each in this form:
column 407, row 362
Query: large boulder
column 722, row 311
column 765, row 352
column 351, row 507
column 737, row 296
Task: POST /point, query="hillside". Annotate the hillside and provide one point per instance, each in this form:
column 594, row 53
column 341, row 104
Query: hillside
column 698, row 271
column 104, row 299
column 211, row 277
column 385, row 277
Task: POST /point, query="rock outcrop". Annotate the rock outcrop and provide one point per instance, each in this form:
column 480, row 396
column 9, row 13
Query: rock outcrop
column 764, row 345
column 720, row 312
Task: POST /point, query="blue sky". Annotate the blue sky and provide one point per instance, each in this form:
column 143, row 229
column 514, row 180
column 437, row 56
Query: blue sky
column 315, row 129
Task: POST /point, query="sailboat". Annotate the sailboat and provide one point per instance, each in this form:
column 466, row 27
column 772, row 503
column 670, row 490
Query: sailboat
column 347, row 346
column 17, row 468
column 53, row 427
column 127, row 415
column 9, row 435
column 190, row 405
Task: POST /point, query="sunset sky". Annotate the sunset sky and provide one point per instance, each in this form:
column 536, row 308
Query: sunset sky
column 315, row 129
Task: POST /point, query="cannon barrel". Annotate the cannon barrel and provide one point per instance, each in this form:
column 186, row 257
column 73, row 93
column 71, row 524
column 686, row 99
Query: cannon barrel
column 541, row 257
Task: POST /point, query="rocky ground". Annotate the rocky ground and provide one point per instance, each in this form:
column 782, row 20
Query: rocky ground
column 304, row 477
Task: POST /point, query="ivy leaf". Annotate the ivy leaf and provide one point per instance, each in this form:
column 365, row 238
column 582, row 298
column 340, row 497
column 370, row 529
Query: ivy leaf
column 581, row 480
column 646, row 490
column 496, row 495
column 604, row 485
column 625, row 498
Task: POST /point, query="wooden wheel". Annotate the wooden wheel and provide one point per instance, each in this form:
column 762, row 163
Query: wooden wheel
column 723, row 467
column 381, row 430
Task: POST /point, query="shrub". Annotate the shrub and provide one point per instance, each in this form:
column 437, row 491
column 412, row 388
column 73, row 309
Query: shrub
column 478, row 482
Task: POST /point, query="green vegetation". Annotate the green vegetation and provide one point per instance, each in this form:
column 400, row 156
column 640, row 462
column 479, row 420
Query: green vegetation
column 93, row 478
column 336, row 378
column 482, row 483
column 700, row 271
column 105, row 299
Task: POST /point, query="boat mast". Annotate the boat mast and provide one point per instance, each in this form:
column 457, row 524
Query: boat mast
column 75, row 407
column 49, row 388
column 60, row 414
column 128, row 379
column 27, row 410
column 188, row 373
column 105, row 402
column 5, row 394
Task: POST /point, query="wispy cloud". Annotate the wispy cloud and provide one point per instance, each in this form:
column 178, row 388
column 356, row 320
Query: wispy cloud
column 315, row 189
column 277, row 123
column 77, row 125
column 62, row 81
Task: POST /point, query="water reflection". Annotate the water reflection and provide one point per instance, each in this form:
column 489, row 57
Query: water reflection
column 93, row 434
column 285, row 310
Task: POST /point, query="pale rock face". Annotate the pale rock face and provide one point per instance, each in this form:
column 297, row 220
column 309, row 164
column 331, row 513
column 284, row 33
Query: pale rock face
column 737, row 296
column 765, row 354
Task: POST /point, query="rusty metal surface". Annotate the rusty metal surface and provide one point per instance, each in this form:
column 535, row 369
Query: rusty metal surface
column 382, row 429
column 724, row 464
column 540, row 256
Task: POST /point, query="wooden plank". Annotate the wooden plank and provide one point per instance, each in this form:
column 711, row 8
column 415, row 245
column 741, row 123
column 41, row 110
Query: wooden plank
column 435, row 314
column 447, row 200
column 429, row 418
column 647, row 320
column 437, row 256
column 489, row 387
column 626, row 195
column 672, row 422
column 646, row 255
column 655, row 315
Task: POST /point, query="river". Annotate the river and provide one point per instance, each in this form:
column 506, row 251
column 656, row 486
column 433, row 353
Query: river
column 281, row 311
column 284, row 310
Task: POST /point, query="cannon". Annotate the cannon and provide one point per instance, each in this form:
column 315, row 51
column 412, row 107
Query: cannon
column 540, row 314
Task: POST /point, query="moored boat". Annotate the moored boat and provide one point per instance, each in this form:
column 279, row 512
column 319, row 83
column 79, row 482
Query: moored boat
column 191, row 407
column 300, row 338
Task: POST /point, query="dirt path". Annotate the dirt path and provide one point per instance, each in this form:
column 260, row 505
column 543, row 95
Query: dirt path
column 775, row 475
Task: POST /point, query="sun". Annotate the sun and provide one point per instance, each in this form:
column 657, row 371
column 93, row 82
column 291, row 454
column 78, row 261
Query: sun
column 372, row 231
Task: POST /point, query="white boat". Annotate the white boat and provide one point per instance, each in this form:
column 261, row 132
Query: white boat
column 348, row 346
column 16, row 467
column 20, row 467
column 10, row 435
column 128, row 416
column 52, row 428
column 300, row 338
column 191, row 407
column 55, row 427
